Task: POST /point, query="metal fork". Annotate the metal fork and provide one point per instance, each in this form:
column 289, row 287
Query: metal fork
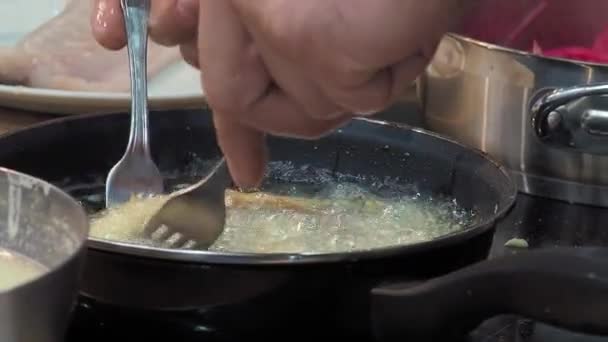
column 194, row 216
column 136, row 173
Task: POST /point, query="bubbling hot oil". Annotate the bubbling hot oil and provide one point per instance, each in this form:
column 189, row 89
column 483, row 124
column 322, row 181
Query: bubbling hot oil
column 347, row 213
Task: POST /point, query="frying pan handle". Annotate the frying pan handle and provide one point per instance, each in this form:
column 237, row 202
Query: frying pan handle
column 572, row 118
column 565, row 287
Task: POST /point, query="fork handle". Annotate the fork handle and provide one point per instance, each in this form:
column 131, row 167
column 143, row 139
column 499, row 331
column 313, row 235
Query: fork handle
column 136, row 14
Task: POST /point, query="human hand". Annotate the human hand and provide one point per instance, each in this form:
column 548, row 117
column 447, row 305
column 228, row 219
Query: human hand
column 291, row 68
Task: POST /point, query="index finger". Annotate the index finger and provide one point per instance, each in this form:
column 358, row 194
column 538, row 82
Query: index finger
column 234, row 77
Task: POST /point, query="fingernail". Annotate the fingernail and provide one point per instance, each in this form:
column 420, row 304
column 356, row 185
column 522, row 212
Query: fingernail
column 248, row 190
column 106, row 14
column 367, row 112
column 249, row 181
column 101, row 9
column 335, row 115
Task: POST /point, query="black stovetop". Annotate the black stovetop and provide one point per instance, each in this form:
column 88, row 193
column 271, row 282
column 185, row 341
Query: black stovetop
column 543, row 223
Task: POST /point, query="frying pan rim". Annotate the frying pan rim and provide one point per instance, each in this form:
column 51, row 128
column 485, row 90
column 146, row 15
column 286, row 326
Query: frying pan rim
column 252, row 259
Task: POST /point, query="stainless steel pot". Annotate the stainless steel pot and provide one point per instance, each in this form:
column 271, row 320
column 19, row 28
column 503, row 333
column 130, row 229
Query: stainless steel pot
column 40, row 222
column 540, row 117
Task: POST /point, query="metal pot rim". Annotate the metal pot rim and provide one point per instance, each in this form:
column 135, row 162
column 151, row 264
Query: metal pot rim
column 507, row 50
column 83, row 222
column 252, row 259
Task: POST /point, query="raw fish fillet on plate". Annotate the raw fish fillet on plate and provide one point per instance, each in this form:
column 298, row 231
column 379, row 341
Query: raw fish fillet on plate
column 62, row 54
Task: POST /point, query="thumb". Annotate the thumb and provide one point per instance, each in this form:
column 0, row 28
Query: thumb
column 244, row 149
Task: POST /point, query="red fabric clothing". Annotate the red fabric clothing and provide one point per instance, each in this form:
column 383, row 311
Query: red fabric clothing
column 576, row 30
column 597, row 52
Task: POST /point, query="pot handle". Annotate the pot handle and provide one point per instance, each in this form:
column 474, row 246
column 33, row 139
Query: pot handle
column 565, row 287
column 569, row 118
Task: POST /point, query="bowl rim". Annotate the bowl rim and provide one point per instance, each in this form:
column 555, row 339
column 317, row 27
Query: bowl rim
column 75, row 207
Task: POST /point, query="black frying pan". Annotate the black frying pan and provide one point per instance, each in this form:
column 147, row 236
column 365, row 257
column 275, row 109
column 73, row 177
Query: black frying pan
column 384, row 291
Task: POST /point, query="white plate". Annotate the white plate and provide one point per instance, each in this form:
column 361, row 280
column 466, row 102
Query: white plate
column 178, row 86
